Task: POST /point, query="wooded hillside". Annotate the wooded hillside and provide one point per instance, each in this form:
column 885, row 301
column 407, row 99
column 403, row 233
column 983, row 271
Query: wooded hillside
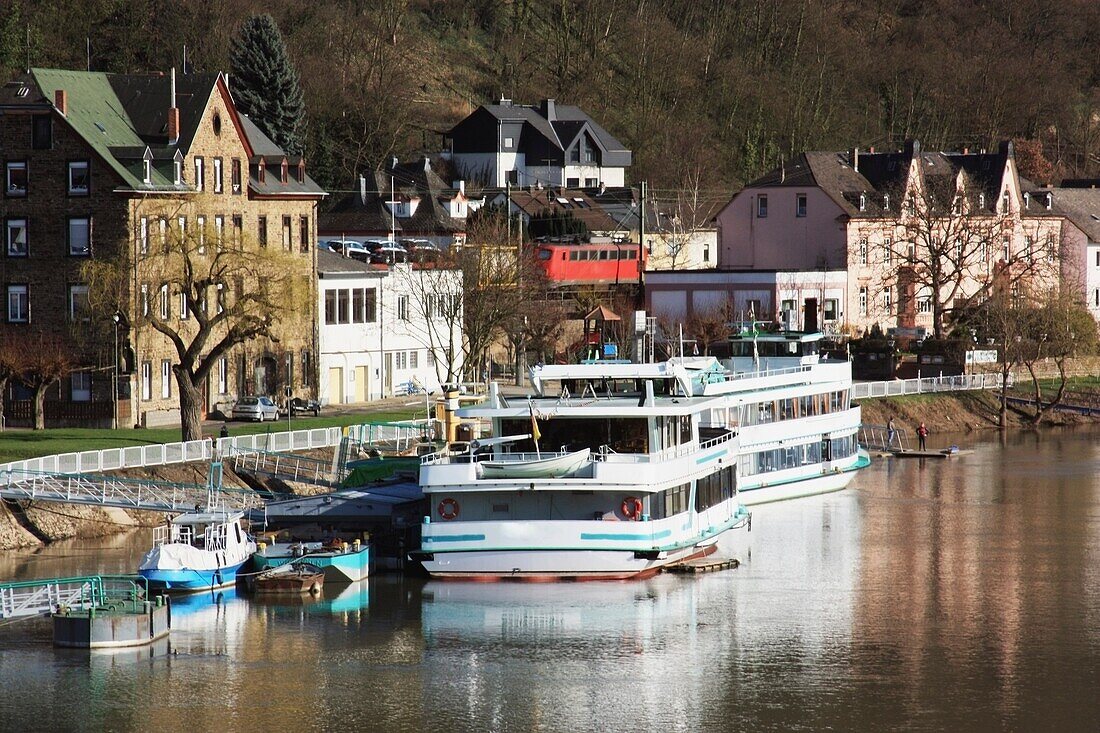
column 729, row 87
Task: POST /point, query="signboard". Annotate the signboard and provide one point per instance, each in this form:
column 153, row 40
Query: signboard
column 985, row 356
column 639, row 321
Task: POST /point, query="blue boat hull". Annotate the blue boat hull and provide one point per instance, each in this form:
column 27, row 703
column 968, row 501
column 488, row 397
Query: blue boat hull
column 190, row 580
column 339, row 567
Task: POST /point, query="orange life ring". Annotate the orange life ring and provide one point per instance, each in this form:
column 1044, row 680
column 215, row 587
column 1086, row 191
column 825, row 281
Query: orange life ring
column 632, row 507
column 448, row 508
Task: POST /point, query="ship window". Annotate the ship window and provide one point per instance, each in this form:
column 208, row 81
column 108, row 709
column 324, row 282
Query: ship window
column 237, row 530
column 500, row 507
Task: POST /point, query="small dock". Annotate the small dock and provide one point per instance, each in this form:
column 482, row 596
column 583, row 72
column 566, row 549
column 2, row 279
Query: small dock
column 703, row 565
column 942, row 453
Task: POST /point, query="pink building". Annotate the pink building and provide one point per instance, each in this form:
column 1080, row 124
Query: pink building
column 855, row 212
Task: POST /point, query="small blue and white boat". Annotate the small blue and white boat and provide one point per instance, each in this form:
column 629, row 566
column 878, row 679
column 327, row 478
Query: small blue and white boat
column 342, row 563
column 197, row 551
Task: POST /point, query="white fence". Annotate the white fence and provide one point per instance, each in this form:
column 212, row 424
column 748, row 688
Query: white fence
column 161, row 454
column 896, row 387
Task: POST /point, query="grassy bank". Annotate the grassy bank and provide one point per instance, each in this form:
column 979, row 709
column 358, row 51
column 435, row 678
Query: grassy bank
column 18, row 444
column 954, row 412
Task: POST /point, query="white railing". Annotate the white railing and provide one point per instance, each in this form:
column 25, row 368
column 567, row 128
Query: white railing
column 897, row 387
column 160, row 454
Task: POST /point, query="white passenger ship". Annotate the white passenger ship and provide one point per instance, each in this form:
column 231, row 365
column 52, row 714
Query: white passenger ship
column 637, row 466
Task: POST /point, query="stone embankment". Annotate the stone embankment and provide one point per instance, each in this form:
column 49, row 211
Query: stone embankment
column 31, row 524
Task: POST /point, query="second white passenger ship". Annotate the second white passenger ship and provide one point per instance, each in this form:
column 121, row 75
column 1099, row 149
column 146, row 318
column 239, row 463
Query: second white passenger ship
column 614, row 470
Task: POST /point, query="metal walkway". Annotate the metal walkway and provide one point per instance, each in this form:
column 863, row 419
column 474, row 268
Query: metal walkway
column 878, row 437
column 124, row 493
column 293, row 467
column 26, row 598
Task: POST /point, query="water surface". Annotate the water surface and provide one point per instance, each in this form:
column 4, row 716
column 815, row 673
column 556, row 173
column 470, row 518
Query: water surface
column 932, row 595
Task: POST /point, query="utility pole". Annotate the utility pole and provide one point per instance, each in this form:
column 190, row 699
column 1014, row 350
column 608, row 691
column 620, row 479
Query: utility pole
column 641, row 229
column 508, row 208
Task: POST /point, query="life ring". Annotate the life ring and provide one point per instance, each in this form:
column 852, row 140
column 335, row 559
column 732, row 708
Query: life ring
column 632, row 507
column 448, row 508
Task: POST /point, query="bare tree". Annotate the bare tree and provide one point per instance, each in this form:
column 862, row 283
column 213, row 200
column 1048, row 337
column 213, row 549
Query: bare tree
column 951, row 242
column 12, row 358
column 677, row 223
column 46, row 359
column 710, row 325
column 228, row 293
column 435, row 312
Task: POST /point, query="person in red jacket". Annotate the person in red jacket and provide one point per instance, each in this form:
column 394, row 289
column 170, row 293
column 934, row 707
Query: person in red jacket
column 922, row 433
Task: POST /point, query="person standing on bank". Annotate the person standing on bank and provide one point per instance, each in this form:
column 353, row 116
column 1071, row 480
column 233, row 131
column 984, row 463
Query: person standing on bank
column 891, row 433
column 922, row 433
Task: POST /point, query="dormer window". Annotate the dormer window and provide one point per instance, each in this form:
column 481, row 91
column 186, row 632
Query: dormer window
column 301, row 172
column 863, row 202
column 1050, row 201
column 147, row 171
column 886, row 202
column 1027, row 200
column 981, row 200
column 177, row 172
column 261, row 171
column 283, row 173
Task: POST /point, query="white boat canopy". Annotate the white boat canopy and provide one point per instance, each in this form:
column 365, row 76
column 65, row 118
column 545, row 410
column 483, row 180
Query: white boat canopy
column 207, row 517
column 677, row 369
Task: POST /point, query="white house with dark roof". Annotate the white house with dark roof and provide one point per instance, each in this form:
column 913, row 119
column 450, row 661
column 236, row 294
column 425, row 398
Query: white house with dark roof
column 550, row 144
column 384, row 330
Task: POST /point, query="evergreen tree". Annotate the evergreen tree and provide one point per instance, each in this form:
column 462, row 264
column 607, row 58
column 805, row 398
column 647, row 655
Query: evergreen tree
column 265, row 85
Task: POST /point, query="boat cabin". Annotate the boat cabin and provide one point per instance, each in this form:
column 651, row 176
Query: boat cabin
column 216, row 531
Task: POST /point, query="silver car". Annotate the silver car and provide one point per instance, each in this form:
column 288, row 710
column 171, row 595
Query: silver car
column 255, row 408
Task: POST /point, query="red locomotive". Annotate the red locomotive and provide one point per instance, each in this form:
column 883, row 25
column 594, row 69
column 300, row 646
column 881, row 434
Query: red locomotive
column 606, row 262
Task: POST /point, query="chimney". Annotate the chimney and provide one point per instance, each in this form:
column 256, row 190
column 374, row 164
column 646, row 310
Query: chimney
column 854, row 159
column 173, row 113
column 61, row 101
column 549, row 110
column 362, row 189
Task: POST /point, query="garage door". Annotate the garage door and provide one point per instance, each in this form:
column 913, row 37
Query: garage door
column 336, row 385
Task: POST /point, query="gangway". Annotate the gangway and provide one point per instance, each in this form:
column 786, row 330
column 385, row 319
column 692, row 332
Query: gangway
column 125, row 493
column 290, row 466
column 878, row 437
column 25, row 598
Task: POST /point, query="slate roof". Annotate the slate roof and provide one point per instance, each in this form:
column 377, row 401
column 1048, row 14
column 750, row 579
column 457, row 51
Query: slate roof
column 1079, row 205
column 366, row 210
column 330, row 263
column 273, row 156
column 877, row 175
column 124, row 117
column 576, row 203
column 558, row 128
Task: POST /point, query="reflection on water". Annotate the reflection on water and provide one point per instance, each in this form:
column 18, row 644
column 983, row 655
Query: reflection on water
column 939, row 594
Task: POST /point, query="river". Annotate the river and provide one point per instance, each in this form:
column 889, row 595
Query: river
column 959, row 594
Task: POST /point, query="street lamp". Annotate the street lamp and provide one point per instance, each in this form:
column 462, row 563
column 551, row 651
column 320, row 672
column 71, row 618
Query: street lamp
column 117, row 318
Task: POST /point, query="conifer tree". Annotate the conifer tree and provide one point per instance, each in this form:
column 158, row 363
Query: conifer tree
column 264, row 83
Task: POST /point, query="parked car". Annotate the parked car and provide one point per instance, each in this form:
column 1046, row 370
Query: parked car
column 348, row 248
column 299, row 405
column 257, row 408
column 389, row 253
column 421, row 250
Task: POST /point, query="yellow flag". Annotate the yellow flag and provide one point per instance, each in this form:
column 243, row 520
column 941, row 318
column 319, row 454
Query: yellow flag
column 535, row 434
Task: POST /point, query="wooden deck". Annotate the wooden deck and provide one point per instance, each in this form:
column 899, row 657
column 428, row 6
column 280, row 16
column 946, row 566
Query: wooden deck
column 703, row 565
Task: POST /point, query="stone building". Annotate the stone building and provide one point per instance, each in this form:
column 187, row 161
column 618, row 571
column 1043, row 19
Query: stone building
column 109, row 165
